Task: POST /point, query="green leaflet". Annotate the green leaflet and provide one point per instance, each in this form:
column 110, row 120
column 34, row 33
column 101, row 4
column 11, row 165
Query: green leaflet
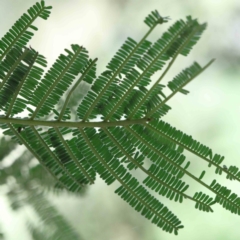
column 19, row 34
column 117, row 126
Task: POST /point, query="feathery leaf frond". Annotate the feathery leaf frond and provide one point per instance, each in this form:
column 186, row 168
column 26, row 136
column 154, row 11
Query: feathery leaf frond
column 118, row 125
column 19, row 34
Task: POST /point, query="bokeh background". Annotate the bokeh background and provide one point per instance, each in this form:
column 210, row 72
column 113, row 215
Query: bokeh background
column 210, row 113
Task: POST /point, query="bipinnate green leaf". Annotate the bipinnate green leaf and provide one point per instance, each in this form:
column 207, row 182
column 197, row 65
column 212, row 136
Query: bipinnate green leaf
column 115, row 127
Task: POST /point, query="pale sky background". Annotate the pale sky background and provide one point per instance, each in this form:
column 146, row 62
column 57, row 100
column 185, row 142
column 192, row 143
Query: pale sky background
column 210, row 113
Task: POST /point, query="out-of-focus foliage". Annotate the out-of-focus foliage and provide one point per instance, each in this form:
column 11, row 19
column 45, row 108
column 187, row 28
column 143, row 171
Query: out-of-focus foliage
column 27, row 185
column 6, row 147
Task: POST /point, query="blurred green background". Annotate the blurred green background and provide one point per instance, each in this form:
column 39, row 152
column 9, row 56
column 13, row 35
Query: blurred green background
column 210, row 113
